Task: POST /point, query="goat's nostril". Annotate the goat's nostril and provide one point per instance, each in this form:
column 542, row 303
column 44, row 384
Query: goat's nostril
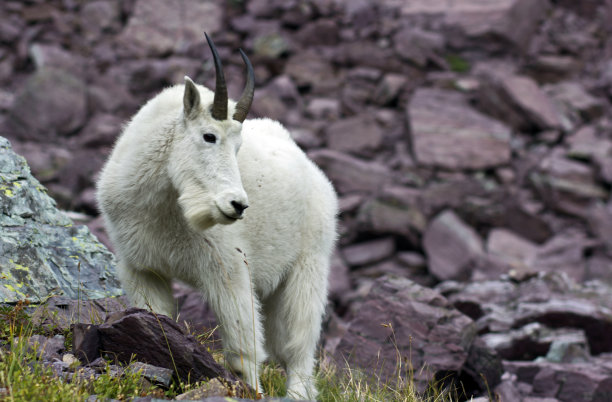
column 239, row 207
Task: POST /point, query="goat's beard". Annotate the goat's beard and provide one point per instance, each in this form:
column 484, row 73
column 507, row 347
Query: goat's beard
column 198, row 207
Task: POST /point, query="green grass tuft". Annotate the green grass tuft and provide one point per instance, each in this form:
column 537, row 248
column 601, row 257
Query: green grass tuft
column 457, row 63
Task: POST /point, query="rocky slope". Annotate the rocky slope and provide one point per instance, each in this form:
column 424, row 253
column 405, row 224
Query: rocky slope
column 470, row 142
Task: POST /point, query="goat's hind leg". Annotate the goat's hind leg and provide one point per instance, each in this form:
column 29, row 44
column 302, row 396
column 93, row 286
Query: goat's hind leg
column 293, row 323
column 147, row 289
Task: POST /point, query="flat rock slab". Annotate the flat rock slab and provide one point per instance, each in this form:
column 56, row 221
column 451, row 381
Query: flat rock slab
column 448, row 133
column 41, row 252
column 350, row 174
column 520, row 102
column 400, row 324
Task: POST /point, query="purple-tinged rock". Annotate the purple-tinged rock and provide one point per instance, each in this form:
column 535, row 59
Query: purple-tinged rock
column 575, row 101
column 453, row 248
column 566, row 185
column 52, row 103
column 518, row 253
column 160, row 27
column 359, row 135
column 369, row 252
column 494, row 23
column 519, row 101
column 398, row 320
column 579, row 382
column 121, row 337
column 396, row 211
column 446, row 132
column 351, row 174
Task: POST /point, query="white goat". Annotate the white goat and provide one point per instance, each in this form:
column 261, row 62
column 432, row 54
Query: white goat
column 172, row 198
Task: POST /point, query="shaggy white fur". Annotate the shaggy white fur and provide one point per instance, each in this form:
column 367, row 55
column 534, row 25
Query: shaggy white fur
column 167, row 194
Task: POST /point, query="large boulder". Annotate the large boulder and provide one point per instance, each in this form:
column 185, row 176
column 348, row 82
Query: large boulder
column 42, row 252
column 400, row 328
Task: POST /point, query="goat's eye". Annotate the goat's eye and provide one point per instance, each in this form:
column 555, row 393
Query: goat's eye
column 210, row 138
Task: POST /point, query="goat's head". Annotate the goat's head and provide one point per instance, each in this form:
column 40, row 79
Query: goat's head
column 203, row 163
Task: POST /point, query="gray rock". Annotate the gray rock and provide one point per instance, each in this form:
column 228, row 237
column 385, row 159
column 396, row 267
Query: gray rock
column 156, row 375
column 448, row 133
column 453, row 248
column 41, row 251
column 51, row 103
column 206, row 392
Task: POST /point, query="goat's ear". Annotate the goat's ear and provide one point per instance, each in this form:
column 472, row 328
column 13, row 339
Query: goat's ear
column 191, row 99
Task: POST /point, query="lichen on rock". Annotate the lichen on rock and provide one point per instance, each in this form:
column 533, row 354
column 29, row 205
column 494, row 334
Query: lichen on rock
column 41, row 252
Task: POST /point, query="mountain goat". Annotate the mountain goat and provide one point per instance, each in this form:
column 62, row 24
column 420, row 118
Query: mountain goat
column 173, row 195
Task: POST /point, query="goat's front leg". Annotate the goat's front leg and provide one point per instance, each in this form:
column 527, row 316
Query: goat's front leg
column 147, row 289
column 237, row 308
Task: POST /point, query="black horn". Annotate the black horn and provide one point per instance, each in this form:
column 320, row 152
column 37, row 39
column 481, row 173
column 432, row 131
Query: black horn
column 219, row 108
column 244, row 103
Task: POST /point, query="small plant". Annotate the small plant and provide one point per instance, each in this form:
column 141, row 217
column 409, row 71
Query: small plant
column 457, row 63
